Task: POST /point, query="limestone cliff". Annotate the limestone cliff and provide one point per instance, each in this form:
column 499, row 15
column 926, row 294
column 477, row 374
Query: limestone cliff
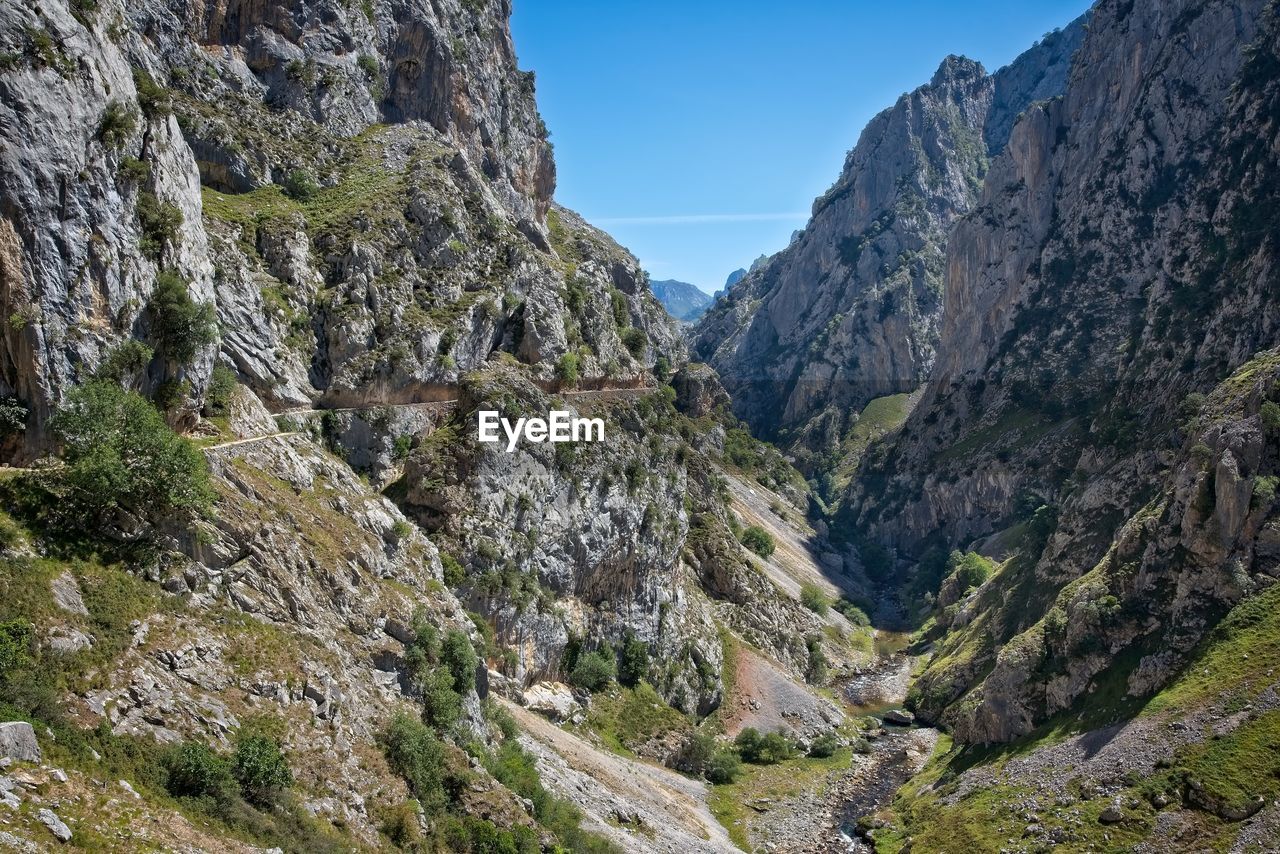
column 851, row 309
column 1119, row 267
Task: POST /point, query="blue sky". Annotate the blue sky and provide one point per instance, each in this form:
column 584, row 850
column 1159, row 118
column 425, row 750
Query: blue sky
column 698, row 132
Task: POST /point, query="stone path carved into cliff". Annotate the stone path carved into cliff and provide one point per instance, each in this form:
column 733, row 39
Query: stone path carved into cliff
column 619, row 392
column 441, row 406
column 641, row 807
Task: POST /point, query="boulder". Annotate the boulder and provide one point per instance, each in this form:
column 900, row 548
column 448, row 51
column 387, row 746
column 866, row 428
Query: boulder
column 901, row 717
column 553, row 700
column 18, row 741
column 56, row 826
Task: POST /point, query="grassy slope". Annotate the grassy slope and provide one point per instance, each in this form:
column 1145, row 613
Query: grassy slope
column 1231, row 669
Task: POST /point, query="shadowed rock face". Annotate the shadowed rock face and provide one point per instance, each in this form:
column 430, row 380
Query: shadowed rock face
column 1120, row 259
column 850, row 310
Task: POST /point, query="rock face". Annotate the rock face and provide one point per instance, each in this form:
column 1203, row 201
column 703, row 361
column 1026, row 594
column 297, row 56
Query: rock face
column 18, row 741
column 1115, row 271
column 395, row 257
column 851, row 309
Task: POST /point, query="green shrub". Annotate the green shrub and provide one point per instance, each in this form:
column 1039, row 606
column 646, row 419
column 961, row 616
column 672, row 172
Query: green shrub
column 300, row 185
column 159, row 222
column 636, row 342
column 818, row 664
column 970, row 569
column 135, row 170
column 152, row 97
column 824, row 745
column 441, row 704
column 15, row 646
column 369, row 65
column 725, row 766
column 1264, row 491
column 180, row 325
column 593, row 671
column 399, row 823
column 766, row 749
column 567, row 368
column 120, row 453
column 414, row 752
column 13, row 416
column 633, row 665
column 812, row 597
column 1271, row 417
column 854, row 614
column 575, row 295
column 125, row 362
column 758, row 540
column 459, row 656
column 454, row 573
column 260, row 768
column 621, row 313
column 118, row 123
column 194, row 770
column 222, row 385
column 662, row 369
column 696, row 753
column 402, row 446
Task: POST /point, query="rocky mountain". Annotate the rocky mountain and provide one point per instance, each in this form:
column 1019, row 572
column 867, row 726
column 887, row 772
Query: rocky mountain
column 850, row 311
column 263, row 586
column 682, row 300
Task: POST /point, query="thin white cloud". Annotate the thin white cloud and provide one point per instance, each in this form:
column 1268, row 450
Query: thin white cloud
column 694, row 219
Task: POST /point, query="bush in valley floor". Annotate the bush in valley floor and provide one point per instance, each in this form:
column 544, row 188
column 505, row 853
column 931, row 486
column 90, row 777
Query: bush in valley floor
column 702, row 755
column 758, row 540
column 763, row 749
column 824, row 746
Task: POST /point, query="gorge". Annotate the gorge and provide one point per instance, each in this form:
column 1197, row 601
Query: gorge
column 950, row 526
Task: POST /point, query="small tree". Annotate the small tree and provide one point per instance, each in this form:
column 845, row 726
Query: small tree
column 724, row 767
column 120, row 453
column 181, row 325
column 812, row 597
column 636, row 342
column 260, row 769
column 414, row 752
column 567, row 368
column 594, row 671
column 459, row 656
column 634, row 663
column 194, row 770
column 824, row 745
column 758, row 540
column 441, row 704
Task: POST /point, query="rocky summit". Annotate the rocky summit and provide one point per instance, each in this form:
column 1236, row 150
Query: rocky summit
column 950, row 526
